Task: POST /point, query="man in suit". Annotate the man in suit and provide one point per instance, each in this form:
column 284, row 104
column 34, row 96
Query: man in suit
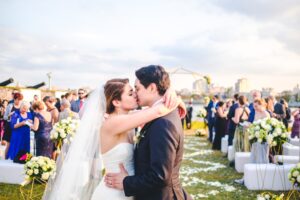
column 211, row 110
column 78, row 104
column 230, row 115
column 158, row 154
column 279, row 111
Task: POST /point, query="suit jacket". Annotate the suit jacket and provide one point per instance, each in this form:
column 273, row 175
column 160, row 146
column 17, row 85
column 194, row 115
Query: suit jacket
column 157, row 157
column 279, row 111
column 75, row 106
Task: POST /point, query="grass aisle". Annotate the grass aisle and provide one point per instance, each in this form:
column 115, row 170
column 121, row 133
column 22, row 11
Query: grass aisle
column 205, row 174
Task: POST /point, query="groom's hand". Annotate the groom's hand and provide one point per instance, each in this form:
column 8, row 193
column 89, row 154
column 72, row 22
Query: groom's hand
column 115, row 180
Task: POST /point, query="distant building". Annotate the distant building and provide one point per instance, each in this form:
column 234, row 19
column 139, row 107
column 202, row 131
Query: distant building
column 268, row 92
column 242, row 86
column 200, row 86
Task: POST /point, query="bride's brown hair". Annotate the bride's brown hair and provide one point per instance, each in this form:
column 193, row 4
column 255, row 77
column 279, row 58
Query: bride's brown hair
column 113, row 90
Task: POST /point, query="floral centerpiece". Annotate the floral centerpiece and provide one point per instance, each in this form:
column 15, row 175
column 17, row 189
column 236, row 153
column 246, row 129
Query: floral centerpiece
column 39, row 168
column 269, row 196
column 268, row 130
column 64, row 131
column 294, row 176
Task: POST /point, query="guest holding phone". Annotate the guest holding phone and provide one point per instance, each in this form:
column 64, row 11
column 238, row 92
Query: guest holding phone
column 20, row 125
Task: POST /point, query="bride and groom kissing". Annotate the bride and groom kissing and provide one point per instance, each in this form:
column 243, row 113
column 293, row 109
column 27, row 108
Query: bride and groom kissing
column 143, row 166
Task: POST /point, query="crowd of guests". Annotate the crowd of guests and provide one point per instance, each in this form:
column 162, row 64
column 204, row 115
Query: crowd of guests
column 227, row 118
column 18, row 118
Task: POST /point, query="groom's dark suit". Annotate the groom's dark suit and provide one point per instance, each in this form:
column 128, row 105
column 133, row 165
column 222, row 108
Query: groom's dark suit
column 157, row 161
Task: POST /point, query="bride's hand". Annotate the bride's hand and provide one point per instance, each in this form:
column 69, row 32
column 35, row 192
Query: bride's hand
column 171, row 100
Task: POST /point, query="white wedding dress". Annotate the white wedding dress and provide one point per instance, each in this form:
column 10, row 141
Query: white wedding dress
column 121, row 153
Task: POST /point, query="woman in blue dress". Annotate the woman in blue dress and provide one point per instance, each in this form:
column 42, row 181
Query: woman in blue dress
column 42, row 126
column 20, row 125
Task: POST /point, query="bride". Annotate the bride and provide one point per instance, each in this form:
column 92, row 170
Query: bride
column 104, row 140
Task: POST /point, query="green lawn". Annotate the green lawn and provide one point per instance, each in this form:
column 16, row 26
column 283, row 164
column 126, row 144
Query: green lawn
column 205, row 174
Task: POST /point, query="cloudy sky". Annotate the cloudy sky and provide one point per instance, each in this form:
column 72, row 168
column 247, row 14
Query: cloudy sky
column 85, row 42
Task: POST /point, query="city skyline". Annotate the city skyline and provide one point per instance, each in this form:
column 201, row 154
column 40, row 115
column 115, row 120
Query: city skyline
column 84, row 43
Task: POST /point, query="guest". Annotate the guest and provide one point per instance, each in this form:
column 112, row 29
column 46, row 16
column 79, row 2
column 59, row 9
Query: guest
column 241, row 136
column 69, row 96
column 188, row 117
column 255, row 95
column 232, row 124
column 50, row 104
column 270, row 106
column 78, row 104
column 287, row 111
column 20, row 138
column 3, row 105
column 260, row 110
column 296, row 124
column 220, row 125
column 12, row 96
column 211, row 110
column 11, row 108
column 57, row 104
column 66, row 111
column 42, row 126
column 279, row 111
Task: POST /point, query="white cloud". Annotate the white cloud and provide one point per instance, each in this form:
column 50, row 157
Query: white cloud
column 82, row 42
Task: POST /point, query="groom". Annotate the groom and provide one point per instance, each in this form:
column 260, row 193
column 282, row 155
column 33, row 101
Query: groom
column 158, row 153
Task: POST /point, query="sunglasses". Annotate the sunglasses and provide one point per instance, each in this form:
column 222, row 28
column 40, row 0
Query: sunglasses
column 80, row 93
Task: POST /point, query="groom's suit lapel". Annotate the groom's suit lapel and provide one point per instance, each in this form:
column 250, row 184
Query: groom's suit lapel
column 143, row 132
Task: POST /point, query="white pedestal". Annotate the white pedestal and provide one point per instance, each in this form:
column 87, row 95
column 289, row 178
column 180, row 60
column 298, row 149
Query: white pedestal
column 11, row 173
column 2, row 152
column 224, row 144
column 241, row 158
column 287, row 159
column 267, row 177
column 291, row 150
column 230, row 153
column 294, row 141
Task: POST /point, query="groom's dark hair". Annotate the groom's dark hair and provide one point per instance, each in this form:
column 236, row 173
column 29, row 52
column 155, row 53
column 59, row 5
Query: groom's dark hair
column 154, row 74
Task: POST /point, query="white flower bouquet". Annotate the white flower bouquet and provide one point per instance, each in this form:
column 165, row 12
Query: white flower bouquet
column 294, row 176
column 269, row 196
column 39, row 168
column 202, row 113
column 64, row 131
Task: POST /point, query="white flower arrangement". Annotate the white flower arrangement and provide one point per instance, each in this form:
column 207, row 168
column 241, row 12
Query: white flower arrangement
column 40, row 168
column 202, row 113
column 294, row 176
column 269, row 196
column 61, row 130
column 268, row 130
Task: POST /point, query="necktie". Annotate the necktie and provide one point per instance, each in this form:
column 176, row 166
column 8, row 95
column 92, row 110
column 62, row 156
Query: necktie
column 80, row 104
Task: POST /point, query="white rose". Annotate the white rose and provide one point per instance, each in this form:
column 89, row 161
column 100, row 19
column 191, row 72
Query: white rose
column 257, row 134
column 44, row 168
column 257, row 128
column 63, row 135
column 30, row 172
column 295, row 173
column 259, row 140
column 45, row 176
column 267, row 196
column 274, row 143
column 275, row 134
column 36, row 171
column 55, row 135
